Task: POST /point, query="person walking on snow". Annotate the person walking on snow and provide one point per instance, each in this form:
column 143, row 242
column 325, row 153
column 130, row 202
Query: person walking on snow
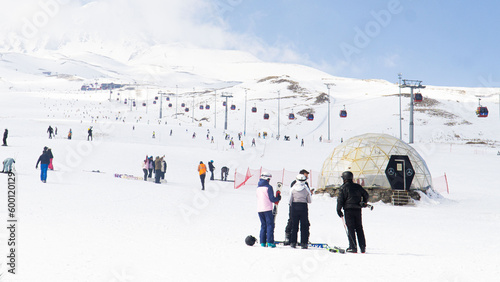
column 158, row 161
column 265, row 200
column 202, row 170
column 50, row 131
column 70, row 134
column 44, row 161
column 300, row 196
column 352, row 197
column 89, row 136
column 145, row 165
column 243, row 149
column 5, row 134
column 253, row 142
column 211, row 167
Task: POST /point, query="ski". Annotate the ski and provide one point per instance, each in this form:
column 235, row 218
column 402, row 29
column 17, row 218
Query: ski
column 251, row 240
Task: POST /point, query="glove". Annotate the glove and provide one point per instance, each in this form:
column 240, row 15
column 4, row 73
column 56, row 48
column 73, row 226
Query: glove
column 36, row 167
column 339, row 212
column 278, row 196
column 363, row 204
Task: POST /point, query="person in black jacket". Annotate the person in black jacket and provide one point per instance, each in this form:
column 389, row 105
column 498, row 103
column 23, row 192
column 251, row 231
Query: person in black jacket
column 44, row 161
column 211, row 167
column 352, row 197
column 5, row 134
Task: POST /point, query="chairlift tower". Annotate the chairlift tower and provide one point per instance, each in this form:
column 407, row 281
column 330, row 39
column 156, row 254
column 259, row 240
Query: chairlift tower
column 226, row 96
column 328, row 85
column 412, row 84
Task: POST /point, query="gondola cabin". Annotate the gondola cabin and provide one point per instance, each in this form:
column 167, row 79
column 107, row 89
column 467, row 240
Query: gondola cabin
column 156, row 98
column 310, row 117
column 482, row 111
column 125, row 101
column 170, row 105
column 223, row 104
column 201, row 107
column 154, row 102
column 418, row 97
column 266, row 116
column 233, row 107
column 291, row 116
column 207, row 107
column 183, row 105
column 168, row 98
column 144, row 104
column 343, row 113
column 254, row 109
column 186, row 110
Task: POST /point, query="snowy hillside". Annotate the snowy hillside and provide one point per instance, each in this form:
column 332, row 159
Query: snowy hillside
column 88, row 226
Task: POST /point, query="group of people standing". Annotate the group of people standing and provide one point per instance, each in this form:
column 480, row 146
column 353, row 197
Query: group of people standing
column 158, row 165
column 202, row 171
column 352, row 197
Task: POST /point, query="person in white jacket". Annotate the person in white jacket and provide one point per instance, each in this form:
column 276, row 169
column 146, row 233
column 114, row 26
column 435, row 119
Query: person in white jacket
column 300, row 197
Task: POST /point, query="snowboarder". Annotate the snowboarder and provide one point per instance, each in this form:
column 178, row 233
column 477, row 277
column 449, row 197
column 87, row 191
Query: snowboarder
column 352, row 197
column 202, row 170
column 7, row 165
column 44, row 161
column 211, row 167
column 300, row 196
column 5, row 134
column 89, row 136
column 50, row 131
column 288, row 228
column 265, row 200
column 224, row 171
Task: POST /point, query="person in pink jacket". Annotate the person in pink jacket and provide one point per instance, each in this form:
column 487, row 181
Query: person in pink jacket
column 265, row 200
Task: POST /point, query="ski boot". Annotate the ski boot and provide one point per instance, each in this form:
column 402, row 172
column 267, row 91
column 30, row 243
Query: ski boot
column 271, row 245
column 263, row 245
column 351, row 250
column 303, row 245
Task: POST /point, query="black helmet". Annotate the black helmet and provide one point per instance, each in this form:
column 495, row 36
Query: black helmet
column 347, row 175
column 250, row 240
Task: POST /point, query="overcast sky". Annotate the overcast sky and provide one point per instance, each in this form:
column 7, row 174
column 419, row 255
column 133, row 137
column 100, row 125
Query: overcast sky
column 449, row 43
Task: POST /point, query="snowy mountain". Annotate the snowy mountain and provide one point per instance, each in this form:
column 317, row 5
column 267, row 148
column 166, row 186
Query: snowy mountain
column 87, row 226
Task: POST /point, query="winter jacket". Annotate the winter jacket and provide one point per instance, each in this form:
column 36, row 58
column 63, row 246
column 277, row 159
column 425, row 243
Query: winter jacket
column 49, row 151
column 163, row 165
column 145, row 165
column 265, row 196
column 300, row 193
column 202, row 169
column 151, row 163
column 43, row 159
column 158, row 163
column 211, row 166
column 350, row 196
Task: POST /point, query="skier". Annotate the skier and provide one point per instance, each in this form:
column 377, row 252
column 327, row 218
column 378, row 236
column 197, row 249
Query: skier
column 265, row 200
column 154, row 135
column 170, row 132
column 49, row 151
column 70, row 134
column 300, row 196
column 5, row 134
column 202, row 170
column 352, row 197
column 211, row 167
column 212, row 140
column 50, row 131
column 224, row 171
column 243, row 149
column 7, row 165
column 89, row 137
column 302, row 143
column 288, row 228
column 44, row 161
column 145, row 166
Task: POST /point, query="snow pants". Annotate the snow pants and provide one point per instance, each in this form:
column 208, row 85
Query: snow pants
column 43, row 173
column 266, row 227
column 202, row 178
column 145, row 174
column 300, row 215
column 354, row 228
column 157, row 175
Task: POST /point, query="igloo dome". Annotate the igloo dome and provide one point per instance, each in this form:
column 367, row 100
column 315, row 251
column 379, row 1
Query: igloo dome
column 367, row 156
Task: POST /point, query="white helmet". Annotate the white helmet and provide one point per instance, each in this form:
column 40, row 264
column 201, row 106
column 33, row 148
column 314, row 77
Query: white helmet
column 301, row 177
column 266, row 175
